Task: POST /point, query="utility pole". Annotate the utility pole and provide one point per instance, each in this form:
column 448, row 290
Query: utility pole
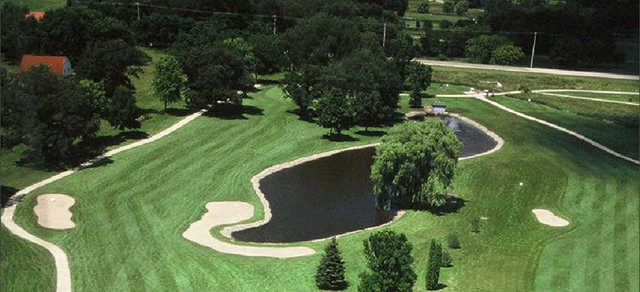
column 275, row 23
column 384, row 34
column 533, row 50
column 138, row 5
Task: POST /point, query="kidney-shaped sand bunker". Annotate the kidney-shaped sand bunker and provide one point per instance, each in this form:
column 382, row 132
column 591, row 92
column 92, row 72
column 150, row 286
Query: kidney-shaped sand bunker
column 53, row 212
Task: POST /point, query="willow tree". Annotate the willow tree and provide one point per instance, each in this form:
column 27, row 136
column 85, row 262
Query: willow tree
column 415, row 164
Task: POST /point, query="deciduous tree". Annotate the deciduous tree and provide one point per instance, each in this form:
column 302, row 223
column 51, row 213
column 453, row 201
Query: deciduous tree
column 169, row 82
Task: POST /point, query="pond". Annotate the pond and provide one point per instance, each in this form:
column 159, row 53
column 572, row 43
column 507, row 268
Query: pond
column 333, row 195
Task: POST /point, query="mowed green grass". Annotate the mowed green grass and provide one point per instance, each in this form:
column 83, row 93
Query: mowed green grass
column 616, row 97
column 613, row 125
column 130, row 213
column 478, row 78
column 23, row 266
column 40, row 5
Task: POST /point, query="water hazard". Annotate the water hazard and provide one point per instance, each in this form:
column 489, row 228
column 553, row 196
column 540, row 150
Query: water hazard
column 332, row 195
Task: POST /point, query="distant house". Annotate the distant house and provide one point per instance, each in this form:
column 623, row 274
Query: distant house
column 57, row 64
column 35, row 14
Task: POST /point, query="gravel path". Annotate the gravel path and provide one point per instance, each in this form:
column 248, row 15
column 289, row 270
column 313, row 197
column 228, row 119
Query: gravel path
column 63, row 274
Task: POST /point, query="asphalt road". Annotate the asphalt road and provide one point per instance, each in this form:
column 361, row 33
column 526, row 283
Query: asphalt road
column 530, row 70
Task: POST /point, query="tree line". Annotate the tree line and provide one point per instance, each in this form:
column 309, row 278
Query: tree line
column 572, row 33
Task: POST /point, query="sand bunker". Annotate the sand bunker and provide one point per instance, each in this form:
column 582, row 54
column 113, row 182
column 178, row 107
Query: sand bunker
column 222, row 213
column 53, row 212
column 548, row 218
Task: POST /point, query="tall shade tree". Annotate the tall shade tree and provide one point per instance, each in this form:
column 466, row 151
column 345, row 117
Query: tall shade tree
column 389, row 261
column 302, row 87
column 47, row 113
column 19, row 34
column 418, row 79
column 415, row 164
column 169, row 82
column 244, row 49
column 330, row 272
column 114, row 62
column 335, row 111
column 120, row 109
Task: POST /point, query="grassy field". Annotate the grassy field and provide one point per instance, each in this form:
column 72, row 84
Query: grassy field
column 515, row 80
column 617, row 97
column 603, row 132
column 130, row 213
column 39, row 5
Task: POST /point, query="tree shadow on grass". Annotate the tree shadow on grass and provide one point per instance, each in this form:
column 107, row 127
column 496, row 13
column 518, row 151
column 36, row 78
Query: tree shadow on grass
column 440, row 287
column 5, row 193
column 305, row 118
column 373, row 133
column 228, row 111
column 179, row 112
column 339, row 137
column 452, row 205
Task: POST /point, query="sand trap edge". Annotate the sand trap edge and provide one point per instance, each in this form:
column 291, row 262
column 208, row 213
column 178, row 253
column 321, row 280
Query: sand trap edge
column 547, row 217
column 54, row 214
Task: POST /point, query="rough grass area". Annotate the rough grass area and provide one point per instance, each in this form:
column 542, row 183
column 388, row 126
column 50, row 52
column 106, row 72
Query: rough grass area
column 130, row 213
column 515, row 80
column 619, row 137
column 616, row 97
column 24, row 267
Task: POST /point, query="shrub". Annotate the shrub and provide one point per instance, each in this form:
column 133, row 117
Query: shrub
column 446, row 259
column 433, row 265
column 475, row 225
column 389, row 260
column 452, row 240
column 423, row 7
column 461, row 7
column 507, row 55
column 330, row 273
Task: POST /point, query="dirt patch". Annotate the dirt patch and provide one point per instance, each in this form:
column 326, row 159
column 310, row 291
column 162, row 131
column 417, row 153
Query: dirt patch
column 53, row 212
column 547, row 217
column 222, row 213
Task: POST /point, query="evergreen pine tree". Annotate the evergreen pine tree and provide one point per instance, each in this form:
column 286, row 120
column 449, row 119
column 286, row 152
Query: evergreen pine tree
column 330, row 274
column 433, row 266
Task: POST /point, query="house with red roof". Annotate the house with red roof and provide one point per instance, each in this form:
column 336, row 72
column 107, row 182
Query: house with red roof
column 35, row 14
column 57, row 64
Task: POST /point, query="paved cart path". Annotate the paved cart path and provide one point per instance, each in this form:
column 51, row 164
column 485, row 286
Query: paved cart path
column 528, row 70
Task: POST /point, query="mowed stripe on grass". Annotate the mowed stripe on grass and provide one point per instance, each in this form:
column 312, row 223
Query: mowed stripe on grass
column 130, row 213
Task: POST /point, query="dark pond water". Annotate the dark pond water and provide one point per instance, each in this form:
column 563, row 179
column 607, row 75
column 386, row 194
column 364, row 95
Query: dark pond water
column 332, row 195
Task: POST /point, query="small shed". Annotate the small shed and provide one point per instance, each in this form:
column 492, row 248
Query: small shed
column 57, row 64
column 439, row 108
column 35, row 14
